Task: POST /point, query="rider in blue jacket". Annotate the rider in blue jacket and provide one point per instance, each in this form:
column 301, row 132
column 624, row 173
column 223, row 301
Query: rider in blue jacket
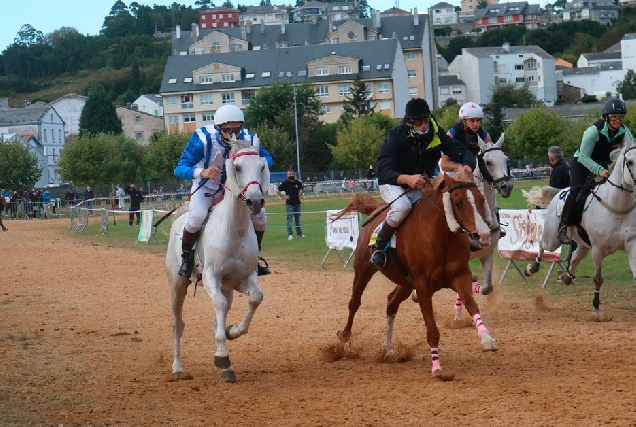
column 203, row 162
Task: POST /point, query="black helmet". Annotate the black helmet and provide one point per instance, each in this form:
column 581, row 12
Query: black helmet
column 417, row 108
column 614, row 106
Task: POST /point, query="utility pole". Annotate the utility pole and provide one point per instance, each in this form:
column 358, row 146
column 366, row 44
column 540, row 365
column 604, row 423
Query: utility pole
column 297, row 139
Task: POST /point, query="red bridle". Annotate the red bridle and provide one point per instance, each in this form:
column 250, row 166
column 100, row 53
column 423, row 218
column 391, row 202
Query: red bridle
column 241, row 195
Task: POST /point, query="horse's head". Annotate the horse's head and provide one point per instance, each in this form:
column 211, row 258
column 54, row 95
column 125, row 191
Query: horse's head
column 465, row 207
column 493, row 166
column 623, row 169
column 247, row 175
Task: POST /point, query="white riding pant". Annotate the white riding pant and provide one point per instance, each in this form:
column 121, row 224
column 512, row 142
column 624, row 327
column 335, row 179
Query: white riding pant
column 401, row 207
column 200, row 204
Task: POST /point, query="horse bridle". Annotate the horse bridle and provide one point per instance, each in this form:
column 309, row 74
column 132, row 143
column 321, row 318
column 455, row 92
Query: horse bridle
column 485, row 174
column 457, row 187
column 619, row 186
column 241, row 195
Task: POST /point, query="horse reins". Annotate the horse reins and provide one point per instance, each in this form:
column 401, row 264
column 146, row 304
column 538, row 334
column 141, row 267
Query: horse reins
column 619, row 186
column 485, row 174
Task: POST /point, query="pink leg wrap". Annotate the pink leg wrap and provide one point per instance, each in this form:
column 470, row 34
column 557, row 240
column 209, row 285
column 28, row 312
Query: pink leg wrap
column 435, row 359
column 479, row 324
column 458, row 304
column 476, row 287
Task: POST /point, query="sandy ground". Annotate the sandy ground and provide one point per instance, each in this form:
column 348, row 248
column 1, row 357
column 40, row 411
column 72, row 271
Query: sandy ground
column 87, row 340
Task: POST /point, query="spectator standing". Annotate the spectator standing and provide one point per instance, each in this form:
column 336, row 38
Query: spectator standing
column 3, row 203
column 135, row 204
column 560, row 174
column 120, row 194
column 48, row 201
column 293, row 192
column 6, row 196
column 88, row 197
column 70, row 198
column 13, row 204
column 370, row 178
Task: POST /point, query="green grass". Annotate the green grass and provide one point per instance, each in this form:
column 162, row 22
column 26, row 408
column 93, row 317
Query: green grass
column 307, row 254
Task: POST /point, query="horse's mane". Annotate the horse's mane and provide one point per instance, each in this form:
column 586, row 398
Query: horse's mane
column 613, row 157
column 363, row 203
column 238, row 144
column 540, row 196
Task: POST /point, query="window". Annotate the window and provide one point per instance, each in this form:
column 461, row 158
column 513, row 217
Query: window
column 227, row 97
column 508, row 18
column 206, row 80
column 383, row 87
column 173, row 119
column 519, row 67
column 227, row 77
column 59, row 131
column 207, row 117
column 236, row 48
column 492, row 20
column 216, row 46
column 457, row 90
column 199, row 51
column 369, row 89
column 412, row 74
column 325, row 109
column 520, row 79
column 444, row 91
column 171, row 100
column 385, row 105
column 344, row 90
column 322, row 71
column 137, row 119
column 344, row 69
column 412, row 91
column 410, row 56
column 139, row 136
column 205, row 99
column 322, row 91
column 189, row 118
column 187, row 101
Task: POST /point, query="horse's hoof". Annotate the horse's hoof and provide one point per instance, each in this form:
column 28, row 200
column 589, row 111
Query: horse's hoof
column 489, row 345
column 228, row 375
column 414, row 295
column 222, row 362
column 227, row 333
column 530, row 269
column 343, row 336
column 457, row 323
column 565, row 278
column 486, row 289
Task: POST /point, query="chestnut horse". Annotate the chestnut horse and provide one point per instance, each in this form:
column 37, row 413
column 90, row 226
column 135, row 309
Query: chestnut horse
column 432, row 255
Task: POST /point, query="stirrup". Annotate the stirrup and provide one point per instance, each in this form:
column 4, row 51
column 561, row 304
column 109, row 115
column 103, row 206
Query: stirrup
column 263, row 270
column 378, row 259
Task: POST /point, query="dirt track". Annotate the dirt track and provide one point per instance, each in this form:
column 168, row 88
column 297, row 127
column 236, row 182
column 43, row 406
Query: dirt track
column 87, row 340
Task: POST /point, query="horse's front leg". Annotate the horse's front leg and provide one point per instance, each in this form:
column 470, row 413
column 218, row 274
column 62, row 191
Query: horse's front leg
column 597, row 258
column 179, row 288
column 222, row 301
column 425, row 300
column 488, row 343
column 394, row 299
column 250, row 288
column 362, row 274
column 486, row 268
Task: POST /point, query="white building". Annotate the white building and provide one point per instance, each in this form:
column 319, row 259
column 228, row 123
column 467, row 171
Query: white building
column 150, row 104
column 443, row 14
column 483, row 68
column 69, row 107
column 598, row 80
column 268, row 15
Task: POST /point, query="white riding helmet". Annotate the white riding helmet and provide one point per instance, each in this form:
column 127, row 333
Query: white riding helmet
column 471, row 110
column 228, row 113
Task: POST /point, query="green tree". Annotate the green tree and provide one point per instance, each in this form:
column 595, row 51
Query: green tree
column 627, row 86
column 358, row 145
column 533, row 132
column 161, row 155
column 102, row 159
column 447, row 116
column 357, row 103
column 99, row 114
column 280, row 146
column 19, row 166
column 28, row 36
column 506, row 96
column 119, row 23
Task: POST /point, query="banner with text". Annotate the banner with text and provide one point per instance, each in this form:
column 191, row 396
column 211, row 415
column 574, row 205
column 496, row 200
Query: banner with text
column 523, row 235
column 343, row 232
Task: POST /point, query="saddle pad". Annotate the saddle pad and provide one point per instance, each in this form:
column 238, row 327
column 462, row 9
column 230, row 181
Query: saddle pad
column 561, row 202
column 374, row 237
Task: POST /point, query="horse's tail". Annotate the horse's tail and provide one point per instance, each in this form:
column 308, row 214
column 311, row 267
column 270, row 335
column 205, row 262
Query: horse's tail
column 363, row 203
column 540, row 196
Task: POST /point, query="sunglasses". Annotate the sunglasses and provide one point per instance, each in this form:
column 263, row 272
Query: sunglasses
column 420, row 121
column 233, row 131
column 616, row 116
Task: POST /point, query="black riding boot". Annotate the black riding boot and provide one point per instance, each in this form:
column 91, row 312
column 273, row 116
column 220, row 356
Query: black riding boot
column 566, row 214
column 381, row 245
column 187, row 254
column 263, row 270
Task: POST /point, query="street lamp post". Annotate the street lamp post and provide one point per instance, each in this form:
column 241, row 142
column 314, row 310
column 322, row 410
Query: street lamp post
column 297, row 139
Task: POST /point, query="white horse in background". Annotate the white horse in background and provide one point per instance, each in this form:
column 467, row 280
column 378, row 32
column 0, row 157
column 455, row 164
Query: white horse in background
column 226, row 255
column 609, row 219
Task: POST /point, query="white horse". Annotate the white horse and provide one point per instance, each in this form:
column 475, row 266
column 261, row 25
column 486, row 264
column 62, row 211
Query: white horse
column 226, row 255
column 492, row 175
column 609, row 219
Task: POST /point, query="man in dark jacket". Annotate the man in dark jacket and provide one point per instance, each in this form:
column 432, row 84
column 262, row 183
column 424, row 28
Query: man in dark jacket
column 411, row 150
column 560, row 174
column 135, row 204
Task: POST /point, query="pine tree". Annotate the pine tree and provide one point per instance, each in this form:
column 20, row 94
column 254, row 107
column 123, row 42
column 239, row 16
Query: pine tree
column 357, row 103
column 99, row 115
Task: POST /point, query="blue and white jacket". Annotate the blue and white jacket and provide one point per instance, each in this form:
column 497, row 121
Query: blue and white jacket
column 206, row 149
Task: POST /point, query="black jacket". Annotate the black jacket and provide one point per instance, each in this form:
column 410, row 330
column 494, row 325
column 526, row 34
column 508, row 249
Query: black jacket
column 136, row 197
column 403, row 154
column 560, row 175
